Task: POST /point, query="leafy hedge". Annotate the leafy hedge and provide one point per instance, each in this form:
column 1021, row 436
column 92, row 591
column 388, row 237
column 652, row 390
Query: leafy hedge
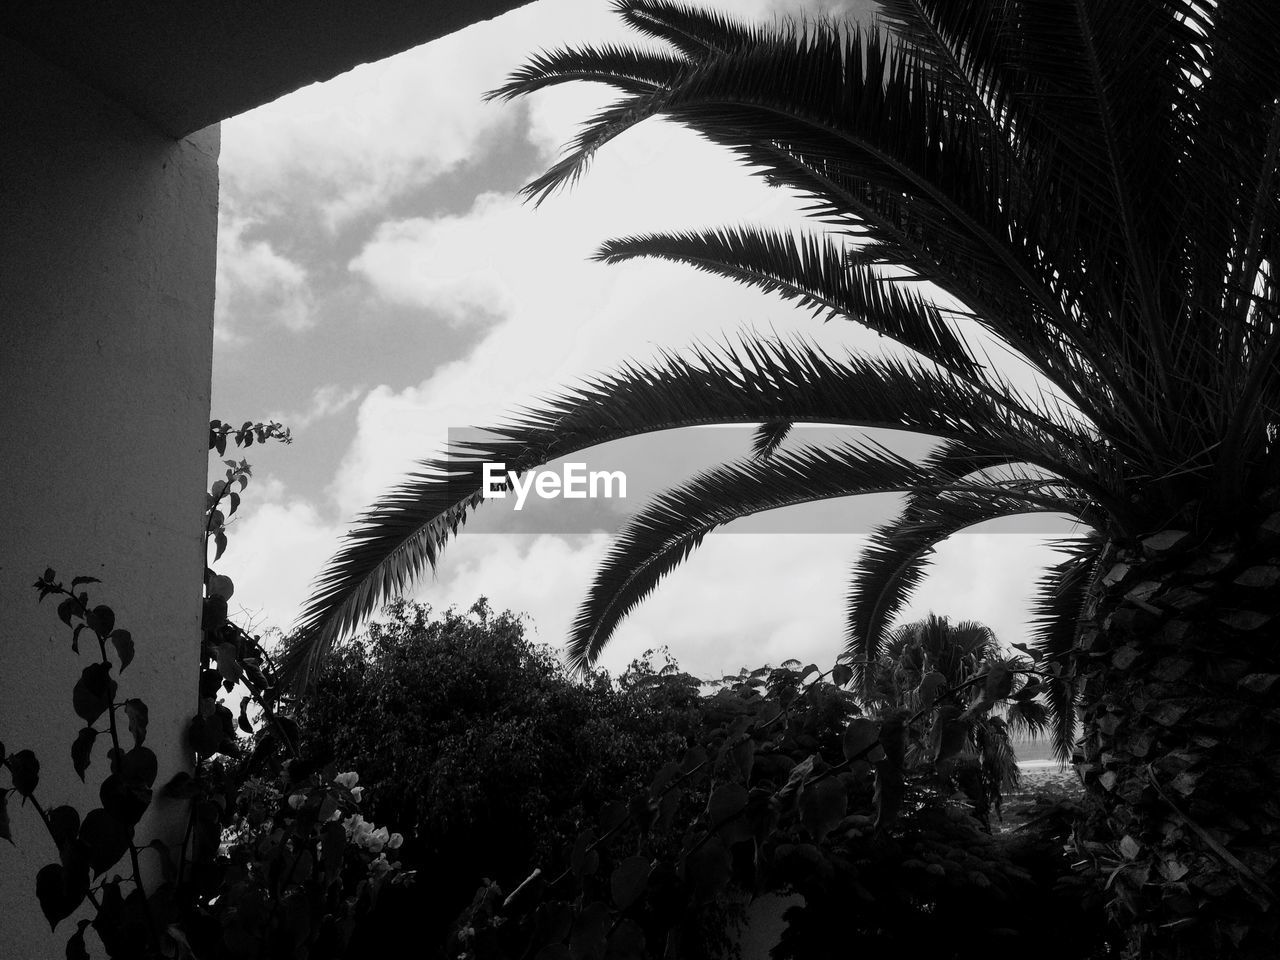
column 479, row 747
column 653, row 808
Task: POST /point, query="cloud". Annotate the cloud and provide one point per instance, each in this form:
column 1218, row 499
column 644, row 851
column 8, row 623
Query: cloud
column 271, row 551
column 354, row 143
column 453, row 265
column 326, row 401
column 255, row 283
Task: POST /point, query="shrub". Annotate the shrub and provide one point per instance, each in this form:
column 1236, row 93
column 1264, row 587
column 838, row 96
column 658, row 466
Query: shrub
column 481, row 749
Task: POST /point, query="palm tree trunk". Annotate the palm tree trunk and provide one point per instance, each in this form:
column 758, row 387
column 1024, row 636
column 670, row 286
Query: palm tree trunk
column 1179, row 664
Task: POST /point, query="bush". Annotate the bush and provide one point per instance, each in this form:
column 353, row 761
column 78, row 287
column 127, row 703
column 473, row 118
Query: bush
column 482, row 750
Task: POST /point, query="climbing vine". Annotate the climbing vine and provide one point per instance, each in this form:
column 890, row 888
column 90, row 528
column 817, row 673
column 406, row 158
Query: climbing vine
column 275, row 860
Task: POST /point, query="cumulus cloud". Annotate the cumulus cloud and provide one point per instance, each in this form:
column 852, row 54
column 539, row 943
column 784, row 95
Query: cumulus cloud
column 270, row 554
column 453, row 265
column 354, row 143
column 256, row 285
column 326, row 401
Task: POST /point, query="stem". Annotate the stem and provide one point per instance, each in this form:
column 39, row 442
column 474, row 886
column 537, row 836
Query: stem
column 114, row 730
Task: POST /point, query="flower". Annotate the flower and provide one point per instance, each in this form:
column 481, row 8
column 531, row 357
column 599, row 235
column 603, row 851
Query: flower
column 357, row 828
column 357, row 792
column 377, row 840
column 296, row 800
column 394, row 841
column 348, row 780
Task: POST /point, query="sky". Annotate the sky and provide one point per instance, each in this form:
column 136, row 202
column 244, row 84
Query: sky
column 380, row 283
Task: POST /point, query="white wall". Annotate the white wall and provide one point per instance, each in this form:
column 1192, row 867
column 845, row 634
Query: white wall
column 107, row 240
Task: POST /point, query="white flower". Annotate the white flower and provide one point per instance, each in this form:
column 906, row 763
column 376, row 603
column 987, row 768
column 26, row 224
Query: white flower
column 336, row 815
column 347, row 780
column 357, row 827
column 380, row 867
column 357, row 793
column 377, row 840
column 394, row 841
column 296, row 800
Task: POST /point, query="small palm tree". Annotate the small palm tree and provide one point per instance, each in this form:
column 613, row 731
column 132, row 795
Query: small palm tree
column 1093, row 185
column 922, row 658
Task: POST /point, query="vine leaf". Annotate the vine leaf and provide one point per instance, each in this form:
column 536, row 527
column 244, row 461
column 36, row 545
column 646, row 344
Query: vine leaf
column 708, row 868
column 627, row 941
column 67, row 609
column 125, row 800
column 822, row 806
column 101, row 620
column 76, row 949
column 93, row 692
column 81, row 750
column 890, row 789
column 137, row 713
column 58, row 892
column 122, row 640
column 860, row 740
column 726, row 801
column 106, row 838
column 629, row 881
column 590, row 931
column 228, row 662
column 24, row 770
column 64, row 825
column 930, row 686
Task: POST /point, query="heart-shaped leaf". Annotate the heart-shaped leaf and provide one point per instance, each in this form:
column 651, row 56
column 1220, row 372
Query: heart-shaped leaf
column 58, row 892
column 726, row 802
column 24, row 771
column 708, row 868
column 122, row 640
column 101, row 620
column 859, row 737
column 125, row 801
column 67, row 609
column 82, row 749
column 107, row 839
column 822, row 806
column 93, row 692
column 628, row 881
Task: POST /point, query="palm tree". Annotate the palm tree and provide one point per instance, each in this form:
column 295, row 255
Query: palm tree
column 1092, row 184
column 917, row 661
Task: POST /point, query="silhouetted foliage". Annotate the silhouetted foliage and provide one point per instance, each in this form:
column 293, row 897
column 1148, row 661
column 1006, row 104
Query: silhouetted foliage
column 481, row 749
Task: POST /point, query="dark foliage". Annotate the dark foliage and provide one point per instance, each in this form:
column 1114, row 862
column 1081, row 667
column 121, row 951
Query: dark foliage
column 479, row 747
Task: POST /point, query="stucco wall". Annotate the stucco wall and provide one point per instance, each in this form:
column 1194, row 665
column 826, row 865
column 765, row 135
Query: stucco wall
column 107, row 245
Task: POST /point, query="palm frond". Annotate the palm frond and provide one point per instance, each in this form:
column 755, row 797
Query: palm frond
column 625, row 69
column 897, row 555
column 693, row 31
column 1057, row 607
column 769, row 437
column 670, row 527
column 667, row 530
column 404, row 532
column 814, row 271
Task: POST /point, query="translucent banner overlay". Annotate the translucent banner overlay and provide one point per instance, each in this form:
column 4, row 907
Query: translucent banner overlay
column 601, row 488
